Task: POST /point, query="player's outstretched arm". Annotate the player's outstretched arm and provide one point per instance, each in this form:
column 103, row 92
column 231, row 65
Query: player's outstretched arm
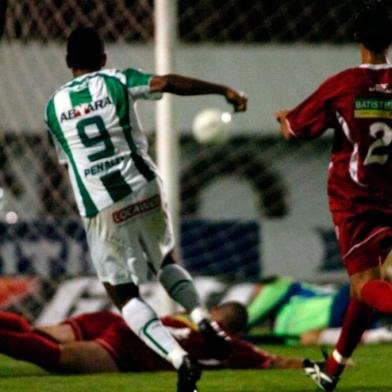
column 280, row 116
column 182, row 85
column 287, row 363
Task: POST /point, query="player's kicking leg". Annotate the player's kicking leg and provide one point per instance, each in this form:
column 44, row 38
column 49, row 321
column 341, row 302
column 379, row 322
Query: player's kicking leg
column 369, row 292
column 123, row 254
column 179, row 285
column 326, row 374
column 144, row 322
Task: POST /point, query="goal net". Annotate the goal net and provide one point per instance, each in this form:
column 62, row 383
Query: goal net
column 250, row 207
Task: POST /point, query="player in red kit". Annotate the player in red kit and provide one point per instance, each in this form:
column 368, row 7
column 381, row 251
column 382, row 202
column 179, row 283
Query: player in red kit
column 102, row 342
column 357, row 103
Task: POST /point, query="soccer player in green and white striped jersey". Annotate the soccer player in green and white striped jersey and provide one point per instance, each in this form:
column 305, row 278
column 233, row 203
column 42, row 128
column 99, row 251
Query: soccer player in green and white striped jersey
column 94, row 126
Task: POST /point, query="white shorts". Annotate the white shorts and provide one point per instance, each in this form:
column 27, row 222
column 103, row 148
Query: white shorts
column 129, row 240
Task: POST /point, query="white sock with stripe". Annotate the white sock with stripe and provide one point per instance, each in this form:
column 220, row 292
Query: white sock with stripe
column 144, row 322
column 178, row 283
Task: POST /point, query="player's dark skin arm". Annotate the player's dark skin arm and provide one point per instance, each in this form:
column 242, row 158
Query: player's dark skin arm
column 182, row 85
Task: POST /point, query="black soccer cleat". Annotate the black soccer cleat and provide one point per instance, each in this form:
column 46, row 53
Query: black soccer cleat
column 217, row 339
column 188, row 374
column 316, row 371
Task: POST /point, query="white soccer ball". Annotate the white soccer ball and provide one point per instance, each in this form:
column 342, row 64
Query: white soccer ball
column 211, row 126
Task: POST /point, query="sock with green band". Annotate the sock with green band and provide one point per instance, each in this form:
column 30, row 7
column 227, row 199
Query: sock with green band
column 144, row 322
column 178, row 283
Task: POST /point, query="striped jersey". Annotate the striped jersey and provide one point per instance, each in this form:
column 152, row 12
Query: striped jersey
column 95, row 128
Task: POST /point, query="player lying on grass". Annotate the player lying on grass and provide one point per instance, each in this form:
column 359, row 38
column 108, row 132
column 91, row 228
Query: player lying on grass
column 357, row 103
column 102, row 342
column 93, row 122
column 303, row 313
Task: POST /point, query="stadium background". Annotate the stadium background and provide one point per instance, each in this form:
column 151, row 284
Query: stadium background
column 251, row 207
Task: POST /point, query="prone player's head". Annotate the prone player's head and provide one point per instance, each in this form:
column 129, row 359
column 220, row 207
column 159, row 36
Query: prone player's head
column 85, row 50
column 373, row 26
column 232, row 316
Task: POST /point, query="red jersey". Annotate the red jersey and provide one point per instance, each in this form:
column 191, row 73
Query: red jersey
column 131, row 354
column 357, row 103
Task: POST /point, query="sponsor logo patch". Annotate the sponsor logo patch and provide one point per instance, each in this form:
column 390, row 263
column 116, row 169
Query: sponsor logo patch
column 373, row 108
column 85, row 109
column 102, row 166
column 140, row 207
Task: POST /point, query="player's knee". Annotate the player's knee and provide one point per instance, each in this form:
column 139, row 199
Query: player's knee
column 359, row 280
column 169, row 259
column 356, row 291
column 122, row 294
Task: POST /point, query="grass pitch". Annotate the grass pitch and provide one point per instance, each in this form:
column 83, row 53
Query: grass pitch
column 372, row 373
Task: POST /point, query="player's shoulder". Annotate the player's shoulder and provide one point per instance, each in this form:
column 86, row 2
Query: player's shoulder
column 49, row 108
column 112, row 73
column 343, row 82
column 62, row 89
column 59, row 90
column 124, row 74
column 49, row 112
column 87, row 78
column 343, row 76
column 133, row 70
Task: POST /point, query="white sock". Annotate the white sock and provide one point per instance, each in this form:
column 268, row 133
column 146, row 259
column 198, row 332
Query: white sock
column 144, row 322
column 339, row 358
column 198, row 314
column 179, row 285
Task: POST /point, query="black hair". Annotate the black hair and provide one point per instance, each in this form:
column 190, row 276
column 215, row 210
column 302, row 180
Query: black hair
column 85, row 49
column 373, row 25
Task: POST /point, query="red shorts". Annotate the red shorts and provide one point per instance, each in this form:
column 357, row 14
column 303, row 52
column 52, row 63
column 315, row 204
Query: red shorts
column 364, row 239
column 111, row 332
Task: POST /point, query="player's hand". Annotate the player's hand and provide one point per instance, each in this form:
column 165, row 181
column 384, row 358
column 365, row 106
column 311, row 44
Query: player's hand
column 280, row 116
column 238, row 99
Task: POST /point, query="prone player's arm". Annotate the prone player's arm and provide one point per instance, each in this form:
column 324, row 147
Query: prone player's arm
column 246, row 356
column 287, row 363
column 182, row 85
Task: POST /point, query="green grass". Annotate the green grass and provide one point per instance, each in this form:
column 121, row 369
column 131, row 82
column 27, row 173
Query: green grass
column 371, row 373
